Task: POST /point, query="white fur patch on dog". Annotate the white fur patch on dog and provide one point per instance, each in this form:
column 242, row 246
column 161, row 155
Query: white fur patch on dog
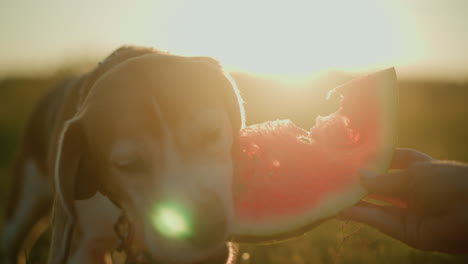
column 32, row 193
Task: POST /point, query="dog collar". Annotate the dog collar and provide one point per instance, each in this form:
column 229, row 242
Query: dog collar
column 125, row 232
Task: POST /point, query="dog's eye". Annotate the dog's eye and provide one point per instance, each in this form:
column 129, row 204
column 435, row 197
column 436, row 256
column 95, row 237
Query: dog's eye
column 133, row 166
column 210, row 137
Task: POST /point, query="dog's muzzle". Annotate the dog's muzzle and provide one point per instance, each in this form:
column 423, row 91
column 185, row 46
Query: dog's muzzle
column 202, row 224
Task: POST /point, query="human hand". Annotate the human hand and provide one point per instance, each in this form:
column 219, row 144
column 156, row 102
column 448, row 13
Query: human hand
column 436, row 194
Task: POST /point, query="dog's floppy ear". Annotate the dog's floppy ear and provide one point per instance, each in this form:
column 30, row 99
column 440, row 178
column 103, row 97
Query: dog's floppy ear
column 74, row 170
column 73, row 181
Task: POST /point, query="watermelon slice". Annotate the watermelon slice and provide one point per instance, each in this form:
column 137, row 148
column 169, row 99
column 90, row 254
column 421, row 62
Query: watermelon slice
column 288, row 179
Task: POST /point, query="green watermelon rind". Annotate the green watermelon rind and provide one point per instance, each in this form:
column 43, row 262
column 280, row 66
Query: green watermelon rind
column 289, row 227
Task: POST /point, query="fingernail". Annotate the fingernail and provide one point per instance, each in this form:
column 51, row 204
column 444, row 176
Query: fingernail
column 367, row 175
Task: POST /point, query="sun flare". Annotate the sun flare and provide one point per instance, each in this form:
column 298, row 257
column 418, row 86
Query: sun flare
column 292, row 38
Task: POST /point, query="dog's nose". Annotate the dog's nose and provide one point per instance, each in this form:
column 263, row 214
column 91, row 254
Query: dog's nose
column 209, row 221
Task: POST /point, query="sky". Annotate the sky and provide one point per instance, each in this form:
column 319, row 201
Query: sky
column 421, row 38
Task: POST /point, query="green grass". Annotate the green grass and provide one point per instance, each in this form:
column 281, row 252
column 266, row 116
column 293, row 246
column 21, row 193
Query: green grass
column 433, row 119
column 342, row 242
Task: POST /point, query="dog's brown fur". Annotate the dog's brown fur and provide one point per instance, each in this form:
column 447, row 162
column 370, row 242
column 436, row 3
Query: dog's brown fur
column 42, row 142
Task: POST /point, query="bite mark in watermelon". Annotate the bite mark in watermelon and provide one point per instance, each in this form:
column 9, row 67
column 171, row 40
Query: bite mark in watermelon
column 288, row 179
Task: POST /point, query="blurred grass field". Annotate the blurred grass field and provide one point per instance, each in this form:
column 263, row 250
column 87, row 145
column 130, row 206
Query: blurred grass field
column 433, row 118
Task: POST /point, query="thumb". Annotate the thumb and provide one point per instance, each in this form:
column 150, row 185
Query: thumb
column 404, row 158
column 388, row 219
column 387, row 184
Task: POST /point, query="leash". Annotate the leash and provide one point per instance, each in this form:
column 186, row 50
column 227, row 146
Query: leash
column 126, row 233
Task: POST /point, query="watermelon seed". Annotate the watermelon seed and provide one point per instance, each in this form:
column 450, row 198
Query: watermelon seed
column 276, row 163
column 305, row 139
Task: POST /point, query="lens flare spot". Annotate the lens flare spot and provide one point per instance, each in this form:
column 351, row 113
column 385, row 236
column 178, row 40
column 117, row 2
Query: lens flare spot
column 171, row 221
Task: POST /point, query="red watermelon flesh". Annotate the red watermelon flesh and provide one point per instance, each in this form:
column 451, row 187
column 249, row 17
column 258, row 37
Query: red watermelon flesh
column 288, row 179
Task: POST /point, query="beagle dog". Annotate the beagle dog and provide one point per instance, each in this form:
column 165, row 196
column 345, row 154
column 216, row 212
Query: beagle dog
column 143, row 129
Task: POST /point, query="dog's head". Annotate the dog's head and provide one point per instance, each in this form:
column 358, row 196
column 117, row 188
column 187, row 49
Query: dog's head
column 154, row 134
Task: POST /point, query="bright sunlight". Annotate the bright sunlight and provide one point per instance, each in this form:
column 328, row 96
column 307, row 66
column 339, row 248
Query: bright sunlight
column 292, row 38
column 287, row 38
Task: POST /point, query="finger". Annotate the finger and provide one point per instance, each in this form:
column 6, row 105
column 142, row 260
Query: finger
column 400, row 201
column 404, row 157
column 355, row 212
column 388, row 219
column 387, row 184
